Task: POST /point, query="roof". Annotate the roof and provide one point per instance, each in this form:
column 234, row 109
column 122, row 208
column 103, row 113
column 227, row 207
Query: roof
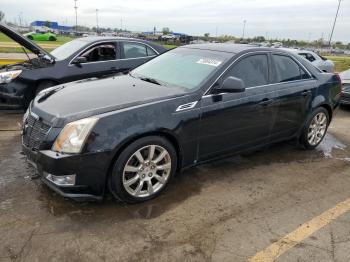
column 227, row 47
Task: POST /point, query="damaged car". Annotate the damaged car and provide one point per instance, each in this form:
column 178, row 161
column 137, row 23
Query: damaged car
column 81, row 58
column 190, row 105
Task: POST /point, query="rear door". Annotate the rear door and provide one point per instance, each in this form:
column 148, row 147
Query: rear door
column 134, row 54
column 235, row 121
column 295, row 87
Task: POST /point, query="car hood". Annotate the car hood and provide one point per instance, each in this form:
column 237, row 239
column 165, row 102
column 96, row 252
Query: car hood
column 23, row 41
column 76, row 100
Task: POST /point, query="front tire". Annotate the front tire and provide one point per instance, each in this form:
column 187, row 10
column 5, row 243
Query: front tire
column 143, row 170
column 315, row 128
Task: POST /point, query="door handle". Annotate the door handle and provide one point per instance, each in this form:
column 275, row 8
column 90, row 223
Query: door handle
column 266, row 102
column 306, row 92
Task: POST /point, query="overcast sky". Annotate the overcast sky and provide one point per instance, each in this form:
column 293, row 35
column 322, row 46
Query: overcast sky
column 295, row 19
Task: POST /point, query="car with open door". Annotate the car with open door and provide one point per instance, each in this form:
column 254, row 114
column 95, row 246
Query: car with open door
column 81, row 58
column 187, row 106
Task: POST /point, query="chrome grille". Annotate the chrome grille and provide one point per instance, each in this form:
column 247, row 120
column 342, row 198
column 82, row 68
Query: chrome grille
column 346, row 88
column 34, row 132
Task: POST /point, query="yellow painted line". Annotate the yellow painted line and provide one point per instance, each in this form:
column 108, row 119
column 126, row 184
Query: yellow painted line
column 304, row 231
column 9, row 61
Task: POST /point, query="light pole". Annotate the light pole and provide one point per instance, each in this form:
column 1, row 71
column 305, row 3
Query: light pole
column 244, row 23
column 335, row 20
column 97, row 21
column 76, row 16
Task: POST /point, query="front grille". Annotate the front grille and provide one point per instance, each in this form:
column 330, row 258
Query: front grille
column 34, row 132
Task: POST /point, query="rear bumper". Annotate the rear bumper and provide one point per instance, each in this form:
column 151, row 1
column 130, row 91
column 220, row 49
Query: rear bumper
column 90, row 171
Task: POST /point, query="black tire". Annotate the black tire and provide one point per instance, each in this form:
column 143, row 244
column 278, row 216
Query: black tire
column 306, row 130
column 30, row 37
column 115, row 181
column 51, row 38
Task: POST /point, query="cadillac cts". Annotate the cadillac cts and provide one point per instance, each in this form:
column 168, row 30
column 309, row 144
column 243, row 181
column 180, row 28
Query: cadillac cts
column 189, row 105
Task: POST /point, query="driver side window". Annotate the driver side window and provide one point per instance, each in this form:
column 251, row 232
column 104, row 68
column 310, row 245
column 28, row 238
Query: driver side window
column 100, row 52
column 253, row 70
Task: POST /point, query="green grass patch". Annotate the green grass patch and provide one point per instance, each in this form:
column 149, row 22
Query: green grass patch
column 342, row 63
column 170, row 46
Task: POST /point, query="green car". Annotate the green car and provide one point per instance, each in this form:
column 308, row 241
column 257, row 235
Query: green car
column 44, row 36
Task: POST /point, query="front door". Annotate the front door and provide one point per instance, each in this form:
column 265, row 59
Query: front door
column 101, row 60
column 231, row 122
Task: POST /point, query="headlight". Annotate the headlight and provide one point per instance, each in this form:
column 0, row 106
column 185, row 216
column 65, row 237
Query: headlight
column 7, row 77
column 73, row 136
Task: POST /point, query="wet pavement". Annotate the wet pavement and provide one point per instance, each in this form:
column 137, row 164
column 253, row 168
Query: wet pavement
column 222, row 211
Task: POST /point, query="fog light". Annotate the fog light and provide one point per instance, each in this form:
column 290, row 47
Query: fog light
column 68, row 180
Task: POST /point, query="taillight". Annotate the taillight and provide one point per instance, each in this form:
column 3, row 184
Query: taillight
column 337, row 76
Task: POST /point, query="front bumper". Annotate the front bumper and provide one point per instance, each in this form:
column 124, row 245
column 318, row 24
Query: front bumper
column 90, row 170
column 345, row 99
column 10, row 100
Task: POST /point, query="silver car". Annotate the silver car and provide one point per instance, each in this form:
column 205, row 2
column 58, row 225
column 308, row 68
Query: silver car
column 317, row 60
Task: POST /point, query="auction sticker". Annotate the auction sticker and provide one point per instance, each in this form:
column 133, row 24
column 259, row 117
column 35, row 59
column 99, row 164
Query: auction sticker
column 207, row 61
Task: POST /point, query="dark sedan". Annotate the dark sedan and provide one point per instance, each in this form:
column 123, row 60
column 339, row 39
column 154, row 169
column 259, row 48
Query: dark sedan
column 79, row 59
column 187, row 106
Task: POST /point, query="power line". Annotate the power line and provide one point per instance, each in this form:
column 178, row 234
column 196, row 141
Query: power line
column 335, row 20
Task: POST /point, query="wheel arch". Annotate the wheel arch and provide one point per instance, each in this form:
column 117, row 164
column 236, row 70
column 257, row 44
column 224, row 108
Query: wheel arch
column 163, row 133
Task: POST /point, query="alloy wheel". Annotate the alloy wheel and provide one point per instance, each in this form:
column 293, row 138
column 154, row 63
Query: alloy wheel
column 147, row 171
column 317, row 129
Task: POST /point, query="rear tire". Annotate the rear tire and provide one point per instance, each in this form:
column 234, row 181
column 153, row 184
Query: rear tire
column 143, row 170
column 30, row 37
column 51, row 38
column 315, row 128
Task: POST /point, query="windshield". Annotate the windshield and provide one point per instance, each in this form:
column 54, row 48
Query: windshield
column 66, row 50
column 183, row 67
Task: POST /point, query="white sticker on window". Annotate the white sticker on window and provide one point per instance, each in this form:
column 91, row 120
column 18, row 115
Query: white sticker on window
column 207, row 61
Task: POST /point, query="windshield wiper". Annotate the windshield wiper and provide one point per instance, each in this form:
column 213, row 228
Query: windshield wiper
column 150, row 80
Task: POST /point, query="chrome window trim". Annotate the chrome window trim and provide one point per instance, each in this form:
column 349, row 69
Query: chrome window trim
column 112, row 41
column 253, row 87
column 258, row 52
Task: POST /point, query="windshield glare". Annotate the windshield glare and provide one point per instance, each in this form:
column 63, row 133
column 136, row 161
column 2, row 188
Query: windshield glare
column 183, row 67
column 66, row 50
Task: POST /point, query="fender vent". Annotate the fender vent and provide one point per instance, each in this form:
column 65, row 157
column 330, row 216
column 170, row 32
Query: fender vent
column 187, row 106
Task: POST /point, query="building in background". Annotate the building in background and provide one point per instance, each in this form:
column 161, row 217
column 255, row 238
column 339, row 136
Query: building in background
column 48, row 26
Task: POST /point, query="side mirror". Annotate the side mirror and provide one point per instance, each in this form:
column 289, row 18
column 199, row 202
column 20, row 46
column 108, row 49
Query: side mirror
column 79, row 60
column 231, row 85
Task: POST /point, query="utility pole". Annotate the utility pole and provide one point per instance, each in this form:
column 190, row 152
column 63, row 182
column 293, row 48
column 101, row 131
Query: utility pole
column 244, row 23
column 97, row 21
column 76, row 16
column 335, row 20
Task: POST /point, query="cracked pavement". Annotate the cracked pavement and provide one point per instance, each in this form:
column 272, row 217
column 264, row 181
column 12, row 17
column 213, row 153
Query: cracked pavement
column 221, row 211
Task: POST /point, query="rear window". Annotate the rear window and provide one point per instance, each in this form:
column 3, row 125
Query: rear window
column 288, row 70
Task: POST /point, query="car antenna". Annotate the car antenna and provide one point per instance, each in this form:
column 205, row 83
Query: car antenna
column 24, row 50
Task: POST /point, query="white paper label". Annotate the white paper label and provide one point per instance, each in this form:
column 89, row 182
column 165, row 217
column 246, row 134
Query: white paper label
column 207, row 61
